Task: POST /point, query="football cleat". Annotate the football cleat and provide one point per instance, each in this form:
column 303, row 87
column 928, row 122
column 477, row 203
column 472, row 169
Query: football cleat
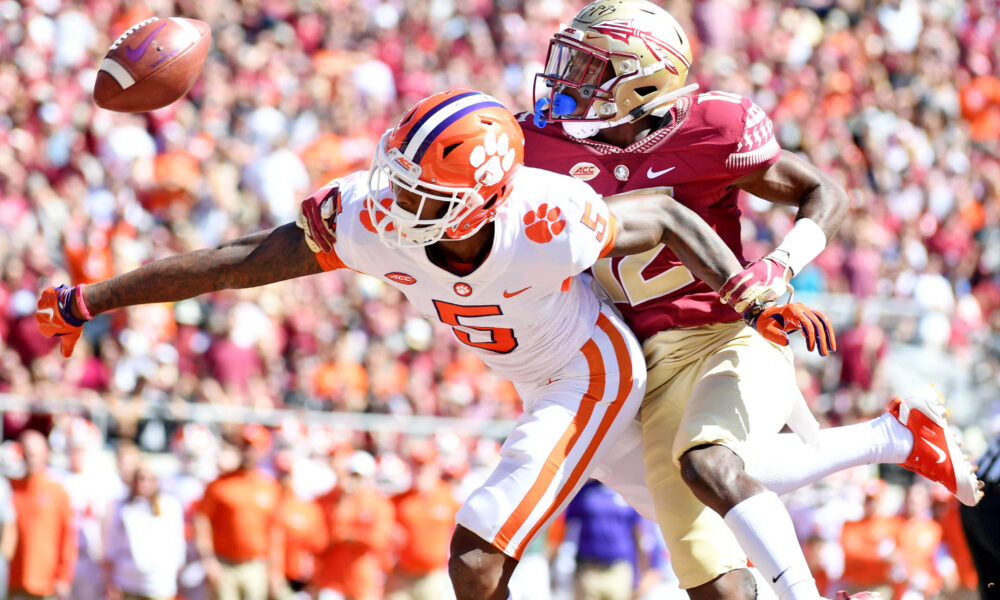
column 936, row 453
column 842, row 595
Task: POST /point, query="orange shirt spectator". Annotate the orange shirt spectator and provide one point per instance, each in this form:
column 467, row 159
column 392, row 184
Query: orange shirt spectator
column 360, row 523
column 918, row 540
column 869, row 544
column 301, row 534
column 240, row 506
column 427, row 520
column 46, row 550
column 425, row 516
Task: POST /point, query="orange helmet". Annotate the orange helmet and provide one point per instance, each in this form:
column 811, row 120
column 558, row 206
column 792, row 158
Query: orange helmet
column 460, row 147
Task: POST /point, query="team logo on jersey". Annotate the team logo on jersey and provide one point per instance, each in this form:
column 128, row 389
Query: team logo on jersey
column 463, row 289
column 543, row 224
column 401, row 278
column 366, row 219
column 584, row 171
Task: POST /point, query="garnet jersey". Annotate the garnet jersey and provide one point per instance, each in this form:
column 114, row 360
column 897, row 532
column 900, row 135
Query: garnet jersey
column 522, row 310
column 714, row 139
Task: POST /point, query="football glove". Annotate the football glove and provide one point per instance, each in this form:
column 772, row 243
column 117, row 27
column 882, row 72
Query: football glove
column 55, row 316
column 776, row 322
column 318, row 218
column 761, row 281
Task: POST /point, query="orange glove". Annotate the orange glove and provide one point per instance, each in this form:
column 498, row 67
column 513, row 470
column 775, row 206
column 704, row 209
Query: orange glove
column 55, row 317
column 776, row 322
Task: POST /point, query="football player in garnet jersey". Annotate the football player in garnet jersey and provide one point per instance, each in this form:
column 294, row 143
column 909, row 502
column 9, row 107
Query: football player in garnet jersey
column 612, row 108
column 450, row 217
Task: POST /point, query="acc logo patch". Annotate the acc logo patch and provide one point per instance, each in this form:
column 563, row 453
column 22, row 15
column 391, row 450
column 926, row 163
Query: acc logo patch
column 463, row 289
column 584, row 171
column 401, row 278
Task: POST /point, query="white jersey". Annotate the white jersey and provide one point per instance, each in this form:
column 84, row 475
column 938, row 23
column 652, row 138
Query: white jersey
column 522, row 310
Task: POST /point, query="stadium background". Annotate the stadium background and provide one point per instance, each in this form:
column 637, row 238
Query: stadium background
column 899, row 101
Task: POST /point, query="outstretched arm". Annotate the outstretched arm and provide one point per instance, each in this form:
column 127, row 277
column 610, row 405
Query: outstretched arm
column 256, row 259
column 646, row 219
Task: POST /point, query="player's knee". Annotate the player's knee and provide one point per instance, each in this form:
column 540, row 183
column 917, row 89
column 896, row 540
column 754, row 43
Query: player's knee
column 477, row 570
column 737, row 584
column 711, row 470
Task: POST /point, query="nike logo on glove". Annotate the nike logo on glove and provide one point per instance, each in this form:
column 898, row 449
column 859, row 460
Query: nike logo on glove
column 507, row 294
column 775, row 579
column 47, row 311
column 651, row 174
column 135, row 54
column 941, row 454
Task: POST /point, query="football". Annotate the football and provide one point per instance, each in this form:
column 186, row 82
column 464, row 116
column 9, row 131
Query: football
column 152, row 64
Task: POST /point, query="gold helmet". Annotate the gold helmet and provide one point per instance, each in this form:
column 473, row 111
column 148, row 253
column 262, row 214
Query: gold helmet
column 618, row 61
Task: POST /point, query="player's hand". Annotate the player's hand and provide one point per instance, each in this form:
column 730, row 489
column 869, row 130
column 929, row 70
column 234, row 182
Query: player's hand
column 55, row 317
column 318, row 218
column 761, row 281
column 776, row 322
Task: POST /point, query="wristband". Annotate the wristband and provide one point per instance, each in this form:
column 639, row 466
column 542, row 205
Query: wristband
column 81, row 305
column 802, row 244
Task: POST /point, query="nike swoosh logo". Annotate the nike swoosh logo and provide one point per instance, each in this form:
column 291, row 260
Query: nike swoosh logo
column 135, row 54
column 651, row 174
column 941, row 454
column 775, row 579
column 47, row 311
column 507, row 294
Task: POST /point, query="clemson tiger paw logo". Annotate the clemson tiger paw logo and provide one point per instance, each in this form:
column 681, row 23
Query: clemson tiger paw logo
column 493, row 159
column 543, row 224
column 366, row 218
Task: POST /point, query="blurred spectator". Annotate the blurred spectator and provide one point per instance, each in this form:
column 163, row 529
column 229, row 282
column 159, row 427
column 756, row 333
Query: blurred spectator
column 861, row 351
column 425, row 520
column 45, row 557
column 299, row 534
column 233, row 522
column 196, row 449
column 92, row 488
column 144, row 542
column 982, row 524
column 960, row 575
column 8, row 533
column 359, row 521
column 918, row 541
column 603, row 533
column 870, row 543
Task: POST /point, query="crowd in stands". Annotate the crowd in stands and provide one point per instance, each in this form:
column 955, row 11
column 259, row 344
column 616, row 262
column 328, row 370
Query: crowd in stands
column 296, row 512
column 898, row 100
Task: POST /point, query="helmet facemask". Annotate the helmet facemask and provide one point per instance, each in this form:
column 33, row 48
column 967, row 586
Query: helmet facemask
column 398, row 227
column 629, row 61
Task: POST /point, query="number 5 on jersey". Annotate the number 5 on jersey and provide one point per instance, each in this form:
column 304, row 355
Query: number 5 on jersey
column 501, row 340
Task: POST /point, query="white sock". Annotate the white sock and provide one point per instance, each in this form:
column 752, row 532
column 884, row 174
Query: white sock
column 762, row 526
column 787, row 463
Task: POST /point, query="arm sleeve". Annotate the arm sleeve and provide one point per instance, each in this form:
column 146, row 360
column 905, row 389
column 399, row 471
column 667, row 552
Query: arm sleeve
column 329, row 261
column 754, row 145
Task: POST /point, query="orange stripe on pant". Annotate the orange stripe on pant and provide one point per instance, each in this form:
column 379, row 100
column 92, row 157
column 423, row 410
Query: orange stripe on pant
column 595, row 391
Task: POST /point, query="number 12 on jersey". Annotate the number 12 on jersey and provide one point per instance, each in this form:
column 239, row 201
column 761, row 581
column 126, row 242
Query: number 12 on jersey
column 501, row 339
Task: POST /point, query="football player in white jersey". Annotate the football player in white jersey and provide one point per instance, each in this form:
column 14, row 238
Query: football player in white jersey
column 450, row 217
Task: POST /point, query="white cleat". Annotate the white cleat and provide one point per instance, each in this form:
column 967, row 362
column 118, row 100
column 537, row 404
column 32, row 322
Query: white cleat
column 936, row 453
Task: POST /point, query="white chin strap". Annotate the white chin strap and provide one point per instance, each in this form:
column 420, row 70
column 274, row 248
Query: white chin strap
column 584, row 129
